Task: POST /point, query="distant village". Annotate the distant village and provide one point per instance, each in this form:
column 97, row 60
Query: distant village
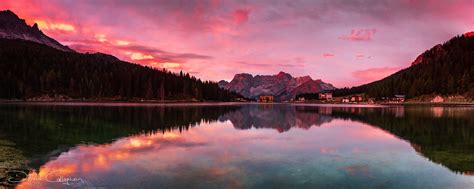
column 327, row 97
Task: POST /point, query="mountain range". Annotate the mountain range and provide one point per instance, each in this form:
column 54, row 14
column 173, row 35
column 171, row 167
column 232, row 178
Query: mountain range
column 446, row 69
column 282, row 86
column 33, row 64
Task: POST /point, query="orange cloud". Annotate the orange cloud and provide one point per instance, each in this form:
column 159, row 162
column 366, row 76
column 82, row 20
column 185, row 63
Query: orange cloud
column 170, row 65
column 166, row 65
column 45, row 25
column 139, row 56
column 101, row 37
column 61, row 26
column 121, row 43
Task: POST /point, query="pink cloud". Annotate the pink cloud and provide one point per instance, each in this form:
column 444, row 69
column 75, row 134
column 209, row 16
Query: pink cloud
column 241, row 16
column 359, row 35
column 373, row 74
column 208, row 37
column 328, row 55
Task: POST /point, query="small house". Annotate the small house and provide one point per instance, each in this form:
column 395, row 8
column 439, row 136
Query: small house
column 371, row 100
column 265, row 98
column 398, row 98
column 325, row 96
column 345, row 100
column 437, row 99
column 356, row 98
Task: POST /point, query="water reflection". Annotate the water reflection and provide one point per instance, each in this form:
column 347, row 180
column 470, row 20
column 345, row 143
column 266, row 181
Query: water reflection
column 45, row 131
column 444, row 135
column 274, row 146
column 281, row 118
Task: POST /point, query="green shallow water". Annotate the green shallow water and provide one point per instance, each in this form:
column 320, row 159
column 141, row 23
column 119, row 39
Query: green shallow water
column 235, row 146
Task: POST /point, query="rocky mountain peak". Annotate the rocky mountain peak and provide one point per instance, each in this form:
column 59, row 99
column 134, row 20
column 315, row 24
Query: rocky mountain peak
column 303, row 79
column 35, row 27
column 242, row 75
column 281, row 73
column 438, row 49
column 8, row 15
column 13, row 27
column 222, row 83
column 282, row 85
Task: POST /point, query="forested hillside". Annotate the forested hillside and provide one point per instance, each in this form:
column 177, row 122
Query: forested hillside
column 446, row 69
column 29, row 69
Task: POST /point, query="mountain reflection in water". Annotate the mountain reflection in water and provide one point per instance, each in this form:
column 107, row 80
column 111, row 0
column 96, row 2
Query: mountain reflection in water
column 266, row 146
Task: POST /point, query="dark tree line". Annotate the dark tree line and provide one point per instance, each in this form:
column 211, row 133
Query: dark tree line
column 28, row 69
column 308, row 96
column 447, row 69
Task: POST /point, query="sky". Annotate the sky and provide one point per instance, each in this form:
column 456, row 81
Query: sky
column 342, row 42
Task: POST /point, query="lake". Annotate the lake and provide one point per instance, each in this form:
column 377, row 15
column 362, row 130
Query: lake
column 228, row 145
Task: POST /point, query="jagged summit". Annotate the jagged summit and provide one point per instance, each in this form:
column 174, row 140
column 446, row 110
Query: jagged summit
column 35, row 27
column 281, row 85
column 13, row 27
column 9, row 15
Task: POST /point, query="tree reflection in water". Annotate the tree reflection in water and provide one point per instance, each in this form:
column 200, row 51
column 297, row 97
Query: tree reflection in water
column 38, row 134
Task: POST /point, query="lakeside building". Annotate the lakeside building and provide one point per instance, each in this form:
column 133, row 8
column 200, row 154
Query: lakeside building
column 300, row 99
column 437, row 99
column 242, row 100
column 398, row 98
column 265, row 98
column 357, row 98
column 394, row 99
column 371, row 100
column 325, row 96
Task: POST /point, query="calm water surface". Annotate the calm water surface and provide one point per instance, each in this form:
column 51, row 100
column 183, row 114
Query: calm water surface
column 235, row 146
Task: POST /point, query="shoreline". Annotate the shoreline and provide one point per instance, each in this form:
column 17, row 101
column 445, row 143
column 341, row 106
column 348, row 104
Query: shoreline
column 117, row 103
column 188, row 102
column 394, row 104
column 105, row 101
column 438, row 104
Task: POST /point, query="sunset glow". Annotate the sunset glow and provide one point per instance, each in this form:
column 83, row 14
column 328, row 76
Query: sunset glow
column 237, row 94
column 341, row 43
column 168, row 148
column 240, row 145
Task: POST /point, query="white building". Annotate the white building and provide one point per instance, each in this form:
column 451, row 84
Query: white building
column 325, row 96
